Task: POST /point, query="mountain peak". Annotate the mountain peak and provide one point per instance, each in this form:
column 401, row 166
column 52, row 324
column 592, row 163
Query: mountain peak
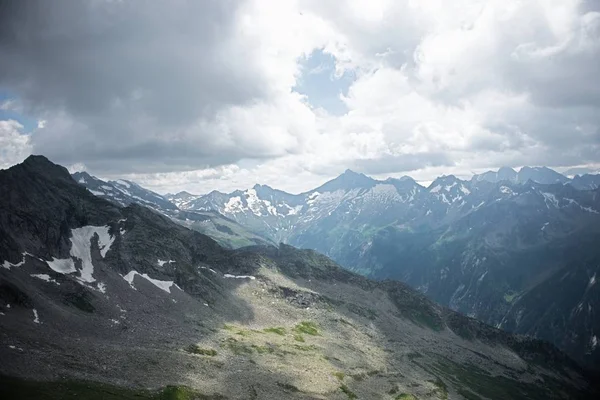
column 349, row 172
column 542, row 175
column 347, row 181
column 445, row 179
column 41, row 165
column 403, row 179
column 36, row 159
column 503, row 174
column 258, row 186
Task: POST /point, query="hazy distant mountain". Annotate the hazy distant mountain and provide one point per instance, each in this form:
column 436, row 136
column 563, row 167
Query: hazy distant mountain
column 571, row 172
column 503, row 174
column 586, row 182
column 100, row 301
column 536, row 174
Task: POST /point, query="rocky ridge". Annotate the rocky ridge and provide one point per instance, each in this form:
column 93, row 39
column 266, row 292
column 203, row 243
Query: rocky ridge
column 123, row 296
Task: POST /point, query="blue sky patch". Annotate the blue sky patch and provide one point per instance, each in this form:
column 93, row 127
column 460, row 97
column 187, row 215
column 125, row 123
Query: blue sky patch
column 28, row 123
column 319, row 84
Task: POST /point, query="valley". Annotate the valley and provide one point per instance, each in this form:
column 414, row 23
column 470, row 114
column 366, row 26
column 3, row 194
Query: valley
column 505, row 247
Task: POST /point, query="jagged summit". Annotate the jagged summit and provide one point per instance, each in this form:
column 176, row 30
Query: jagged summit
column 258, row 186
column 41, row 165
column 543, row 175
column 444, row 180
column 347, row 181
column 186, row 194
column 404, row 178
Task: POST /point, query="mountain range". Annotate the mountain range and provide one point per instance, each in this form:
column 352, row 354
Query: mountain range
column 515, row 249
column 105, row 300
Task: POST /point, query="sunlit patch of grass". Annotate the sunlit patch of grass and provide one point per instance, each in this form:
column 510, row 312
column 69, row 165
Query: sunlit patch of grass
column 307, row 327
column 263, row 349
column 236, row 347
column 195, row 349
column 405, row 396
column 441, row 390
column 340, row 375
column 276, row 330
column 348, row 392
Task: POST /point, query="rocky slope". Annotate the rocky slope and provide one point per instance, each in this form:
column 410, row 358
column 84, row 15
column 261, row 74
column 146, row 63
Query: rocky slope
column 210, row 222
column 123, row 302
column 496, row 247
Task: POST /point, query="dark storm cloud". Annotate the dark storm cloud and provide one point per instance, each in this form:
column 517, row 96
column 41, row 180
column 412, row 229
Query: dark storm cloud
column 129, row 80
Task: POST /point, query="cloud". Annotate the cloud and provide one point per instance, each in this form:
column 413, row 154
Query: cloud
column 14, row 145
column 168, row 85
column 203, row 93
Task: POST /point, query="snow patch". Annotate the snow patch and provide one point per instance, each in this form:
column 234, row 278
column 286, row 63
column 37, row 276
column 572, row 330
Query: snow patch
column 592, row 280
column 45, row 277
column 96, row 193
column 234, row 205
column 81, row 248
column 210, row 269
column 294, row 210
column 506, row 190
column 479, row 205
column 383, row 193
column 464, row 190
column 163, row 285
column 62, row 266
column 8, row 265
column 163, row 262
column 549, row 197
column 447, row 188
column 124, row 183
column 589, row 209
column 482, row 276
column 102, row 287
column 36, row 318
column 594, row 342
column 239, row 276
column 545, row 225
column 253, row 201
column 82, row 181
column 436, row 189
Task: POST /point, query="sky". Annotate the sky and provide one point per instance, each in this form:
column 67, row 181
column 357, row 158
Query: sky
column 223, row 94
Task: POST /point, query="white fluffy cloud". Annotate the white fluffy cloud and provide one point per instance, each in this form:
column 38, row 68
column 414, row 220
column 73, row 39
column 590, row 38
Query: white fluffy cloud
column 200, row 95
column 14, row 145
